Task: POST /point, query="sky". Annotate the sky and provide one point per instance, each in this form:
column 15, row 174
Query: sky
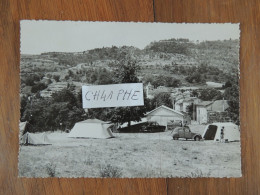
column 70, row 36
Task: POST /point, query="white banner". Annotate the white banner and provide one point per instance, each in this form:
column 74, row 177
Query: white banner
column 116, row 95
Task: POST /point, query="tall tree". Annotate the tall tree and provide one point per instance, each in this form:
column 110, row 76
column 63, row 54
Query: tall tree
column 127, row 73
column 162, row 99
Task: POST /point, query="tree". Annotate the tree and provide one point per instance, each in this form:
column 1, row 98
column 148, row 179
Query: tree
column 190, row 110
column 159, row 81
column 127, row 114
column 104, row 77
column 65, row 95
column 23, row 104
column 34, row 113
column 127, row 73
column 38, row 87
column 195, row 78
column 148, row 79
column 56, row 78
column 162, row 99
column 232, row 95
column 210, row 95
column 62, row 112
column 67, row 77
column 194, row 93
column 172, row 82
column 227, row 84
column 31, row 79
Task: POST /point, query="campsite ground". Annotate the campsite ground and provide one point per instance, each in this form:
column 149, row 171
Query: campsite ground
column 131, row 155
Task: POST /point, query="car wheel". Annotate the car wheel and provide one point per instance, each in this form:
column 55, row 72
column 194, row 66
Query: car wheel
column 197, row 138
column 175, row 138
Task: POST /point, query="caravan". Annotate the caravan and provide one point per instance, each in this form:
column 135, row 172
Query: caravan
column 222, row 131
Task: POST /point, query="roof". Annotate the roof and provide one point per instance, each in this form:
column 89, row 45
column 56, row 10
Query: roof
column 92, row 121
column 218, row 105
column 165, row 107
column 204, row 103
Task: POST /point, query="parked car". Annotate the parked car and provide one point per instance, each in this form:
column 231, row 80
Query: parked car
column 152, row 126
column 132, row 129
column 185, row 132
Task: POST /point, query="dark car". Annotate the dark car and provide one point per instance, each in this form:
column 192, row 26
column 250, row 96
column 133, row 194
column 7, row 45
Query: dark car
column 132, row 129
column 152, row 126
column 184, row 132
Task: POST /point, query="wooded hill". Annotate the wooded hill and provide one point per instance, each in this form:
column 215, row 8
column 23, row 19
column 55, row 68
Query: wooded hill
column 179, row 58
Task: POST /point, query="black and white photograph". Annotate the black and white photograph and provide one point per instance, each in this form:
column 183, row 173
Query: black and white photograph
column 129, row 100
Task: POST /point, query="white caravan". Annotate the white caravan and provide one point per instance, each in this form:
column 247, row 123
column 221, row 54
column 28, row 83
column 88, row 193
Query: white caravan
column 222, row 131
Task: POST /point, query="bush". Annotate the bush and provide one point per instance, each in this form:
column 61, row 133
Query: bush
column 110, row 171
column 198, row 173
column 56, row 78
column 38, row 87
column 195, row 78
column 51, row 170
column 30, row 80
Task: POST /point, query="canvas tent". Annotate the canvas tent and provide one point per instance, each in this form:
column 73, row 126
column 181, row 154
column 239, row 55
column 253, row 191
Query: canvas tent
column 91, row 128
column 230, row 132
column 35, row 139
column 22, row 128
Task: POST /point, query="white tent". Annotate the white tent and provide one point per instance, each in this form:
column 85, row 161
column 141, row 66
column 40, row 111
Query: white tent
column 22, row 127
column 35, row 139
column 91, row 128
column 230, row 132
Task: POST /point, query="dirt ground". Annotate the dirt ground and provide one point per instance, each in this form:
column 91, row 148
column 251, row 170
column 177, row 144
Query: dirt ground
column 133, row 155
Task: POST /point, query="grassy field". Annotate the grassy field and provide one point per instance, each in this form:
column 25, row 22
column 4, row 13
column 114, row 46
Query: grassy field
column 131, row 155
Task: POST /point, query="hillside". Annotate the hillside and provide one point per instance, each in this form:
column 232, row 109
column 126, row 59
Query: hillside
column 176, row 58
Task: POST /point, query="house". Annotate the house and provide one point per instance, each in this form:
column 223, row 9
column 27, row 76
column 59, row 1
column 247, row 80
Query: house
column 182, row 104
column 149, row 88
column 163, row 115
column 205, row 108
column 202, row 111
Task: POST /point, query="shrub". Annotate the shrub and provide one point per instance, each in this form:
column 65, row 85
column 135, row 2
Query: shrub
column 51, row 170
column 198, row 173
column 110, row 171
column 38, row 87
column 56, row 78
column 184, row 148
column 88, row 161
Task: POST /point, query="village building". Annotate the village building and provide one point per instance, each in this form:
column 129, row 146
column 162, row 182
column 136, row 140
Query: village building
column 211, row 111
column 164, row 115
column 183, row 103
column 149, row 88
